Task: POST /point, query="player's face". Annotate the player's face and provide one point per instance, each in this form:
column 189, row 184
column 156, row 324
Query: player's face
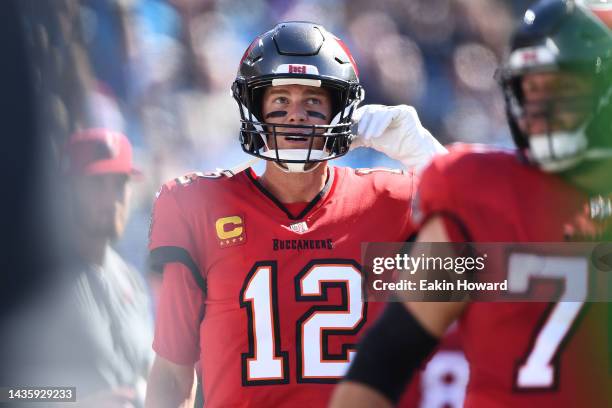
column 554, row 102
column 101, row 204
column 296, row 105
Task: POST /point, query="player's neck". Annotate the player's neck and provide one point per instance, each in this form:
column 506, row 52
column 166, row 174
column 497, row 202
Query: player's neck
column 294, row 187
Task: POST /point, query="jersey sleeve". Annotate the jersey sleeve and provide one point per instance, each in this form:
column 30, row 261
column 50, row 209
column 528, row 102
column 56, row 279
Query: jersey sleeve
column 411, row 182
column 170, row 235
column 436, row 198
column 394, row 191
column 179, row 313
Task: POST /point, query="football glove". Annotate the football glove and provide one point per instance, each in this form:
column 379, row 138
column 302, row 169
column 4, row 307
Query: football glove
column 397, row 132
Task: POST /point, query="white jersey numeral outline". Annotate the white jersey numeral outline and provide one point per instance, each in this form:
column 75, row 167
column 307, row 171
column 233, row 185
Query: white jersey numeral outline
column 539, row 368
column 265, row 363
column 315, row 363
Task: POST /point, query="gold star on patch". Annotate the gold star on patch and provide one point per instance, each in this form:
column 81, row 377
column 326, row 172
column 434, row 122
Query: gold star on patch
column 240, row 238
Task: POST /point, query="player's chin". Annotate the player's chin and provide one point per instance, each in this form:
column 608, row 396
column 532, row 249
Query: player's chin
column 285, row 145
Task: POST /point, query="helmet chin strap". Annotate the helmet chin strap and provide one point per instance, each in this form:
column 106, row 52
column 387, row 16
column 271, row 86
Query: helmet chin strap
column 295, row 154
column 296, row 167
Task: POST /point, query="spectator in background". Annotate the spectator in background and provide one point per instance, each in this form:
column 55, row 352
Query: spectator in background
column 99, row 165
column 92, row 330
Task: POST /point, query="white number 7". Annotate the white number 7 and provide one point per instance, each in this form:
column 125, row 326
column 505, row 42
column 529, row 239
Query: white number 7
column 537, row 370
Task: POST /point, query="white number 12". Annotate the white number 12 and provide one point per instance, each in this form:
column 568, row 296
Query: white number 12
column 266, row 363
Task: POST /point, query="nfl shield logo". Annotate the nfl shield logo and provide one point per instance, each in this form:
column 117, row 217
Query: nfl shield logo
column 299, row 227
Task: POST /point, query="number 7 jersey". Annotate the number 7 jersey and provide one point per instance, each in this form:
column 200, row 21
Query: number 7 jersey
column 267, row 300
column 525, row 354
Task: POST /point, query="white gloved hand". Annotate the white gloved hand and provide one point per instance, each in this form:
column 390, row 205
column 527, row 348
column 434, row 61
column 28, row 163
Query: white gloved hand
column 397, row 132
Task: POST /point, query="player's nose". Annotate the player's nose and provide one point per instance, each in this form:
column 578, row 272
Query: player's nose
column 296, row 113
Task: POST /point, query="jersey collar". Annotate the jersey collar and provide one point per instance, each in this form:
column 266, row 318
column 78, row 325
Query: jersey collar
column 326, row 188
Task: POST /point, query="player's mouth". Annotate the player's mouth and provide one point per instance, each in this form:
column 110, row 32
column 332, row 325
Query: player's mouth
column 296, row 139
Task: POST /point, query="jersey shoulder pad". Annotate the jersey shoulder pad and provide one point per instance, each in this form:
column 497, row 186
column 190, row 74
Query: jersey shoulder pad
column 463, row 178
column 464, row 160
column 384, row 183
column 196, row 180
column 384, row 179
column 189, row 187
column 192, row 177
column 366, row 171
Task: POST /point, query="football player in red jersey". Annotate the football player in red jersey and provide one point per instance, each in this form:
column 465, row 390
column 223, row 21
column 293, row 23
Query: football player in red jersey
column 261, row 275
column 557, row 83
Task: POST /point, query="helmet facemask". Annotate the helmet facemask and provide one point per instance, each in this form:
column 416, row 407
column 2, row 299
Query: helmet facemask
column 553, row 121
column 326, row 142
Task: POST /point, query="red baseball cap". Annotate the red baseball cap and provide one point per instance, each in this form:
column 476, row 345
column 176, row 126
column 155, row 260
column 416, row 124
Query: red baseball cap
column 98, row 151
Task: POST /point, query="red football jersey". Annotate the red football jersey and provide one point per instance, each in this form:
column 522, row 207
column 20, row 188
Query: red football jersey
column 280, row 306
column 442, row 381
column 520, row 354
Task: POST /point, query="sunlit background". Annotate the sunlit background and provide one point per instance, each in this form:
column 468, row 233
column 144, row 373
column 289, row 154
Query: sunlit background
column 161, row 70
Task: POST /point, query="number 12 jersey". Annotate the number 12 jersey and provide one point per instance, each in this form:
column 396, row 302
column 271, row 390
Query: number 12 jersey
column 270, row 301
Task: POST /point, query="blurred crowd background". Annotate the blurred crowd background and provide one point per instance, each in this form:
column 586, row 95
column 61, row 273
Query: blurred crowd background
column 161, row 70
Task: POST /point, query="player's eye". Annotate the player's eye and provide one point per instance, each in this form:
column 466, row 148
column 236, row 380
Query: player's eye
column 281, row 100
column 313, row 101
